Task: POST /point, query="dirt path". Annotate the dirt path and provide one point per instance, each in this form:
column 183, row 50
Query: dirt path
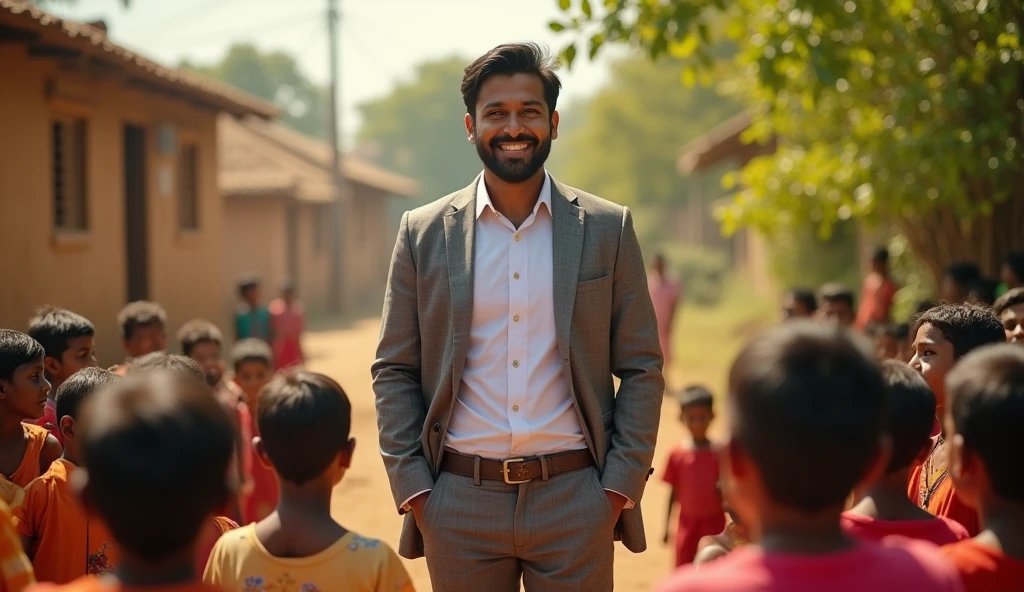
column 363, row 500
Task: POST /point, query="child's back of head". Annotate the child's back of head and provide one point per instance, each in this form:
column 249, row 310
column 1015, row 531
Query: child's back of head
column 76, row 390
column 169, row 362
column 910, row 415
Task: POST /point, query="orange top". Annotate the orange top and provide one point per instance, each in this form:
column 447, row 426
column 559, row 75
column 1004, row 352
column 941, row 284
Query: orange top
column 66, row 542
column 944, row 502
column 12, row 488
column 983, row 569
column 15, row 568
column 90, row 584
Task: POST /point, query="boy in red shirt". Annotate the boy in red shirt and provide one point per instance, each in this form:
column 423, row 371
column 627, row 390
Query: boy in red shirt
column 983, row 422
column 806, row 404
column 884, row 509
column 692, row 471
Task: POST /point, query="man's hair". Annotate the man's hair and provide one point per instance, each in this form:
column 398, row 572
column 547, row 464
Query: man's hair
column 80, row 385
column 304, row 419
column 251, row 350
column 198, row 331
column 986, row 400
column 881, row 255
column 141, row 313
column 910, row 413
column 836, row 292
column 805, row 297
column 53, row 327
column 983, row 290
column 966, row 326
column 963, row 273
column 696, row 395
column 17, row 349
column 1011, row 298
column 153, row 442
column 507, row 60
column 1015, row 261
column 807, row 403
column 164, row 361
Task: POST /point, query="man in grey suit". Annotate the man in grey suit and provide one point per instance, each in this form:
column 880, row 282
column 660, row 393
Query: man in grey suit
column 511, row 305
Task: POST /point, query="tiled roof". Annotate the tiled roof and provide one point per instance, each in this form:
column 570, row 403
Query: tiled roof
column 264, row 158
column 92, row 40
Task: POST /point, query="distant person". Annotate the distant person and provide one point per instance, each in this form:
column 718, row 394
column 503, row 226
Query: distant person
column 287, row 323
column 835, row 305
column 877, row 292
column 890, row 340
column 201, row 341
column 26, row 450
column 143, row 330
column 692, row 472
column 806, row 408
column 252, row 319
column 943, row 336
column 157, row 446
column 305, row 420
column 1010, row 310
column 956, row 282
column 884, row 509
column 1011, row 273
column 984, row 419
column 982, row 291
column 799, row 303
column 70, row 343
column 734, row 536
column 666, row 294
column 253, row 365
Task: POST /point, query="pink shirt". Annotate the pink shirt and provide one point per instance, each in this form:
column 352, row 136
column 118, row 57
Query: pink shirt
column 891, row 566
column 665, row 296
column 939, row 530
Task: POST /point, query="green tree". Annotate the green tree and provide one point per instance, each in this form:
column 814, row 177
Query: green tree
column 905, row 110
column 418, row 129
column 274, row 76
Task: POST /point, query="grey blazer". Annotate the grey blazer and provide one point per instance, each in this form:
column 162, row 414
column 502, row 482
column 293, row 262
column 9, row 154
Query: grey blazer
column 605, row 327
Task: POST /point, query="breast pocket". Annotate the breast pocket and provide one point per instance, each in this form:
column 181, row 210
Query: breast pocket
column 601, row 283
column 592, row 313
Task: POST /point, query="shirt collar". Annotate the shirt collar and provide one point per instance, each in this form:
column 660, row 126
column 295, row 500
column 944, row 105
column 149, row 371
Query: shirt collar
column 483, row 199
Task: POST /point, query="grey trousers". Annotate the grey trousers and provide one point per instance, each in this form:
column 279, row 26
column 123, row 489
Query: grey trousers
column 555, row 535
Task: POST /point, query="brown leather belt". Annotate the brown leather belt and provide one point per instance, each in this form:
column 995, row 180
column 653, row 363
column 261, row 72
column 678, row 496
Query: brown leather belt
column 516, row 470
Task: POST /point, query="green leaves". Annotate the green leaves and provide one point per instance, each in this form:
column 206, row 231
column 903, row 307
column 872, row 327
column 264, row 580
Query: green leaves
column 564, row 4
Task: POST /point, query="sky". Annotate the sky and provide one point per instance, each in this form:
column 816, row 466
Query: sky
column 381, row 40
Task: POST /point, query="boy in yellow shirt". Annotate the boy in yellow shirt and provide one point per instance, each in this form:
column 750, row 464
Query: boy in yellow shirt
column 304, row 420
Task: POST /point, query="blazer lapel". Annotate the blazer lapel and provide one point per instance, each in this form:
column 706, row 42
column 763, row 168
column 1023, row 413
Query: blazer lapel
column 567, row 247
column 459, row 230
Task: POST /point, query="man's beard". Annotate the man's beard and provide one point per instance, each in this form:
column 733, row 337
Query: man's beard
column 513, row 170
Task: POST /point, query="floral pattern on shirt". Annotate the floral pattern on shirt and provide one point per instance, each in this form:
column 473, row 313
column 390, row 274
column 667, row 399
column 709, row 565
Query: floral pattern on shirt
column 285, row 583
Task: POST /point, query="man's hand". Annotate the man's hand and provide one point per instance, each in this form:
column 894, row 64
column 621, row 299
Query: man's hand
column 617, row 501
column 416, row 504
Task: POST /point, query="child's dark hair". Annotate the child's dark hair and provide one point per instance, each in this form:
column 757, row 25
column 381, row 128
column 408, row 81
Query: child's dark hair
column 983, row 290
column 17, row 349
column 986, row 400
column 1015, row 261
column 304, row 419
column 251, row 350
column 247, row 283
column 924, row 306
column 1011, row 298
column 806, row 298
column 901, row 331
column 81, row 384
column 966, row 326
column 910, row 413
column 696, row 395
column 141, row 313
column 898, row 332
column 155, row 441
column 963, row 273
column 808, row 396
column 167, row 362
column 506, row 60
column 881, row 255
column 53, row 327
column 198, row 331
column 836, row 292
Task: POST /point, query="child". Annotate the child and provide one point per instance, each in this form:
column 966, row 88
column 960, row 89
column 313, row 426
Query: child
column 62, row 541
column 692, row 471
column 806, row 408
column 1011, row 273
column 287, row 322
column 157, row 446
column 983, row 422
column 253, row 363
column 799, row 303
column 982, row 291
column 15, row 568
column 69, row 341
column 26, row 450
column 251, row 319
column 144, row 330
column 943, row 335
column 1010, row 310
column 886, row 337
column 201, row 340
column 877, row 292
column 884, row 509
column 304, row 419
column 836, row 305
column 957, row 280
column 734, row 536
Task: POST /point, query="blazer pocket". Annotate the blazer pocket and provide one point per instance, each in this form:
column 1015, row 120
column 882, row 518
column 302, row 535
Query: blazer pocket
column 600, row 283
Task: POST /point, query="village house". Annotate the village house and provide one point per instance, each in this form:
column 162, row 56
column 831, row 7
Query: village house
column 278, row 189
column 108, row 177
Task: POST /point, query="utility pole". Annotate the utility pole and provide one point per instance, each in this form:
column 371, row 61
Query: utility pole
column 335, row 288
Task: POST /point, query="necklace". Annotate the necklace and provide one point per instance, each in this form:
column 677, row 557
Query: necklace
column 927, row 490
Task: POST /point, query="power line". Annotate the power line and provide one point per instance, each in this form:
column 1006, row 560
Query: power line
column 276, row 25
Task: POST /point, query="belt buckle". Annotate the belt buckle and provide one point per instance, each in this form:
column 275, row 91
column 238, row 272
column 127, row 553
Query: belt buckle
column 520, row 471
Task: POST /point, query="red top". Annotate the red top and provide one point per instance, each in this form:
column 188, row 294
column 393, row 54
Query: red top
column 891, row 566
column 876, row 296
column 49, row 421
column 263, row 497
column 693, row 475
column 984, row 569
column 93, row 584
column 939, row 530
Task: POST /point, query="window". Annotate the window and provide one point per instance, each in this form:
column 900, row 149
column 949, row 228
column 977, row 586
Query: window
column 188, row 187
column 69, row 198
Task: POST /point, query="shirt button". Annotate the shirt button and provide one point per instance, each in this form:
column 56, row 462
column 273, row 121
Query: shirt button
column 517, row 238
column 515, row 363
column 515, row 408
column 515, row 319
column 516, row 275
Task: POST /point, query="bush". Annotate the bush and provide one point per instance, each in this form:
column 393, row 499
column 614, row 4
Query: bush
column 703, row 272
column 802, row 259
